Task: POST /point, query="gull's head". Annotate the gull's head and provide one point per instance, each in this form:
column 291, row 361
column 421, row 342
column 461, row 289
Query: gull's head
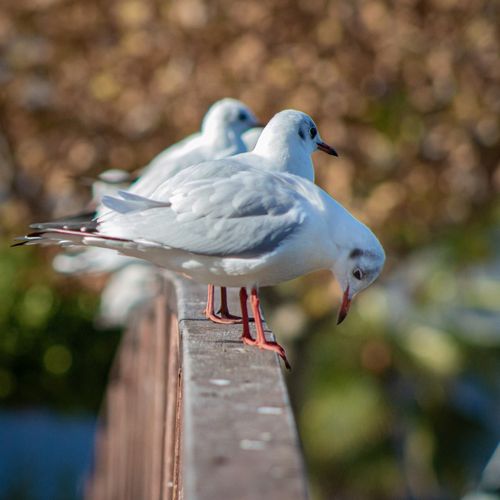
column 357, row 268
column 297, row 130
column 229, row 115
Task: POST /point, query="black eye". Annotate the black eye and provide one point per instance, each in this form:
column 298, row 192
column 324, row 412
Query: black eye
column 313, row 132
column 358, row 274
column 242, row 116
column 301, row 134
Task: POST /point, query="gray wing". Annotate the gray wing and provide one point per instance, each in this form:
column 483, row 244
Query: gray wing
column 183, row 147
column 168, row 164
column 165, row 166
column 217, row 209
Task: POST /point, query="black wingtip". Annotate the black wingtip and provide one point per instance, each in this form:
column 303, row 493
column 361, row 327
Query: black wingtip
column 77, row 221
column 24, row 240
column 19, row 244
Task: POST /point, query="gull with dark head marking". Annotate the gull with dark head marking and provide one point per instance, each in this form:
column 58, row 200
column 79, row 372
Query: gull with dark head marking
column 220, row 136
column 284, row 145
column 229, row 224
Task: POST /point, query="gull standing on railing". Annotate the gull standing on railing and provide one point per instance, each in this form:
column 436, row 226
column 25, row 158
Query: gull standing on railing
column 230, row 224
column 220, row 136
column 285, row 145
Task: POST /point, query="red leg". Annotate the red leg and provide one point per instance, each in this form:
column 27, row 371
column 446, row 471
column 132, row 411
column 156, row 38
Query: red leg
column 261, row 341
column 209, row 310
column 245, row 336
column 224, row 309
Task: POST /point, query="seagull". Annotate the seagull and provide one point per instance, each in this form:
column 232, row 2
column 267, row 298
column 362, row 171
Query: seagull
column 284, row 145
column 220, row 136
column 229, row 224
column 109, row 179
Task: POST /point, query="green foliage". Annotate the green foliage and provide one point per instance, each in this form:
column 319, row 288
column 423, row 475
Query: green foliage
column 50, row 352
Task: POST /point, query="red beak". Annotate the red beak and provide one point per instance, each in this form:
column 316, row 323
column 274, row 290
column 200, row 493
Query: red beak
column 323, row 146
column 344, row 308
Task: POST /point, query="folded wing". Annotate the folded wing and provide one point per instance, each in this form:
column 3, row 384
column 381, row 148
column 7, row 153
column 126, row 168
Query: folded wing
column 212, row 209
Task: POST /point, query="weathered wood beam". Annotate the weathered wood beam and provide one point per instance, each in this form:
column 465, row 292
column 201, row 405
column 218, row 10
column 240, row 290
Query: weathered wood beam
column 191, row 413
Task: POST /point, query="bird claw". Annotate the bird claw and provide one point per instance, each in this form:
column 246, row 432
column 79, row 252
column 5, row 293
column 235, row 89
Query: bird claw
column 268, row 346
column 248, row 341
column 274, row 346
column 223, row 320
column 227, row 315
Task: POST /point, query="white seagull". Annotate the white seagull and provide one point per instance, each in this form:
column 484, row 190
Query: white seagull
column 285, row 145
column 220, row 136
column 229, row 224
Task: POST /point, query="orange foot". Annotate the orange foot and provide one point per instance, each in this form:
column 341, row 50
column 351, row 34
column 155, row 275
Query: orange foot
column 268, row 346
column 227, row 315
column 222, row 319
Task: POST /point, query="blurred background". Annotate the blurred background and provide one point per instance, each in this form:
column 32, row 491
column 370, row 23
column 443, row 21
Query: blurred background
column 402, row 400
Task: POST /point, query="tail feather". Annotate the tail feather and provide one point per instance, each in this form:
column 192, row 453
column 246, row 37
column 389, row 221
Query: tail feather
column 25, row 240
column 56, row 236
column 131, row 202
column 78, row 221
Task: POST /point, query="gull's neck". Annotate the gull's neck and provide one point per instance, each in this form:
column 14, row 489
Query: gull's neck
column 223, row 140
column 284, row 155
column 345, row 231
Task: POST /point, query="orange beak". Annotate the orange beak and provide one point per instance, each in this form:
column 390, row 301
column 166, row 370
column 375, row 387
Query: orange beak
column 344, row 308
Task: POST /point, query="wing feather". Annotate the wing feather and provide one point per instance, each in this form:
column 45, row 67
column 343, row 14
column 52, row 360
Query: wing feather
column 223, row 211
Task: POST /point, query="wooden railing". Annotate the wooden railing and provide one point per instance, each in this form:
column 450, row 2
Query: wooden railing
column 190, row 413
